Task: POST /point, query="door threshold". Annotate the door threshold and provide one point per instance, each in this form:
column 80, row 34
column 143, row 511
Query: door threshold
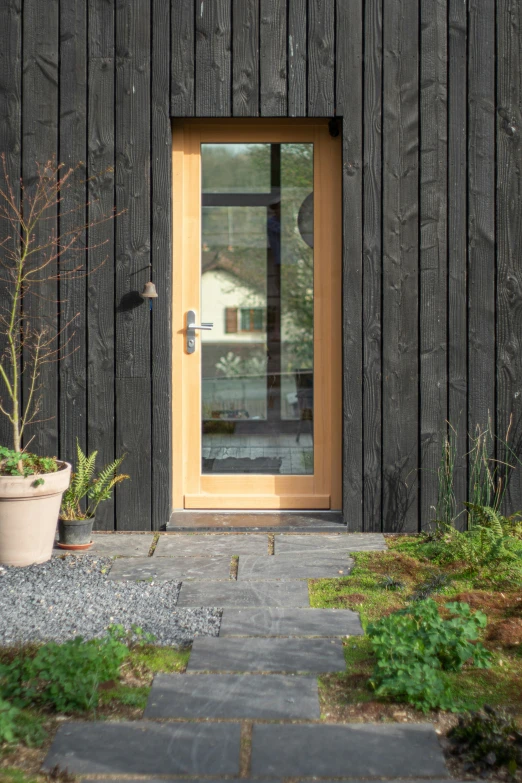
column 240, row 521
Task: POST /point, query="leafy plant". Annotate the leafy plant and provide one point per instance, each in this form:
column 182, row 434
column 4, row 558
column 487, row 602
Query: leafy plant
column 446, row 508
column 488, row 739
column 414, row 646
column 434, row 584
column 63, row 676
column 15, row 463
column 87, row 486
column 391, row 583
column 16, row 725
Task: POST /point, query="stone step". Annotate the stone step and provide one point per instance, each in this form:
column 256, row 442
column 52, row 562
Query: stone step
column 172, row 569
column 286, row 656
column 275, row 780
column 319, row 565
column 346, row 542
column 203, row 521
column 146, row 748
column 244, row 594
column 246, row 696
column 290, row 622
column 353, row 750
column 173, row 544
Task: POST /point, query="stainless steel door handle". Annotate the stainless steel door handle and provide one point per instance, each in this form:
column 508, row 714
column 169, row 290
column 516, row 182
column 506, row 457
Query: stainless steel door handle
column 191, row 330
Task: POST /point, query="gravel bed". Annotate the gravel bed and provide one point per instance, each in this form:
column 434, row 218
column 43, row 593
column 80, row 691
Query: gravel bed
column 71, row 596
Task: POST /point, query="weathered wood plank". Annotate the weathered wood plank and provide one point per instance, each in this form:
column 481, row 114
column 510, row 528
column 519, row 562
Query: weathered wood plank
column 321, row 71
column 133, row 161
column 161, row 137
column 133, row 499
column 457, row 240
column 245, row 60
column 400, row 266
column 509, row 232
column 10, row 136
column 273, row 58
column 297, row 58
column 73, row 212
column 433, row 248
column 372, row 253
column 213, row 46
column 100, row 293
column 40, row 144
column 182, row 56
column 481, row 216
column 349, row 87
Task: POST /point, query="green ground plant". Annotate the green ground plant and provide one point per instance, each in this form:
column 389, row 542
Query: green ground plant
column 414, row 646
column 88, row 489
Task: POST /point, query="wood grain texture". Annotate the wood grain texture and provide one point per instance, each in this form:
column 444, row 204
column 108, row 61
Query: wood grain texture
column 350, row 106
column 457, row 238
column 321, row 64
column 161, row 140
column 73, row 212
column 40, row 145
column 182, row 56
column 400, row 267
column 372, row 255
column 133, row 162
column 245, row 61
column 297, row 58
column 433, row 248
column 481, row 215
column 10, row 135
column 213, row 47
column 509, row 231
column 273, row 58
column 100, row 283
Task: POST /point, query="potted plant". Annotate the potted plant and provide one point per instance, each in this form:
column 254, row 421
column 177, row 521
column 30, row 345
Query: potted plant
column 33, row 259
column 83, row 496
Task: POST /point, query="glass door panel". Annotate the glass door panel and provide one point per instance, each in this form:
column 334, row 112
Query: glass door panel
column 257, row 287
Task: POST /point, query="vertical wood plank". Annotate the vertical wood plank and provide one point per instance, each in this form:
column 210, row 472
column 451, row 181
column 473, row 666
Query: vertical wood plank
column 481, row 216
column 161, row 136
column 182, row 57
column 321, row 71
column 457, row 239
column 73, row 212
column 372, row 252
column 509, row 231
column 213, row 69
column 433, row 248
column 273, row 58
column 100, row 283
column 297, row 58
column 133, row 163
column 400, row 267
column 10, row 136
column 349, row 84
column 40, row 144
column 245, row 60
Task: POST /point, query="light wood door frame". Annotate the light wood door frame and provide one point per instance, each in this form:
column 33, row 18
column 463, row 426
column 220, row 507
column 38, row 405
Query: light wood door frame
column 191, row 489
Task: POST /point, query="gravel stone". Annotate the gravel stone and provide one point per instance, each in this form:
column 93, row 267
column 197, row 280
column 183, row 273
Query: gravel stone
column 73, row 596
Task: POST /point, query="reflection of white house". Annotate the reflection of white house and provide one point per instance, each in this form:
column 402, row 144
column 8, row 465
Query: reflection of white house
column 236, row 310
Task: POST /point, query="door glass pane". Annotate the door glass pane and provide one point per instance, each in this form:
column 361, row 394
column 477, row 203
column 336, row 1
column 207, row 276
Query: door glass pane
column 257, row 288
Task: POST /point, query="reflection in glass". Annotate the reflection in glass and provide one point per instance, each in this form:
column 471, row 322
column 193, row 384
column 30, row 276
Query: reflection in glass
column 257, row 289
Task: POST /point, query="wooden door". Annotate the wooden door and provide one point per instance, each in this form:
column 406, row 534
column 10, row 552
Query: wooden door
column 257, row 252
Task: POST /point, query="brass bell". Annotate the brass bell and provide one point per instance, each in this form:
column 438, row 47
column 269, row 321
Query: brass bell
column 149, row 291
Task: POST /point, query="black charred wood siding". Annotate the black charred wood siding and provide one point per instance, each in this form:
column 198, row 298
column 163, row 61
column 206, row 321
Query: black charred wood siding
column 429, row 96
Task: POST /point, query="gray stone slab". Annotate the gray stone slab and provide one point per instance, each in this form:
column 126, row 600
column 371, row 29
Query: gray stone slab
column 144, row 748
column 172, row 545
column 244, row 594
column 266, row 655
column 245, row 696
column 349, row 751
column 312, row 521
column 290, row 622
column 287, row 567
column 348, row 542
column 193, row 780
column 176, row 569
column 115, row 545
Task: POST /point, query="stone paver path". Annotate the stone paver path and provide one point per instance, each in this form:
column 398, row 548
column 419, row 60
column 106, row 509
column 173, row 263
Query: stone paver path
column 248, row 706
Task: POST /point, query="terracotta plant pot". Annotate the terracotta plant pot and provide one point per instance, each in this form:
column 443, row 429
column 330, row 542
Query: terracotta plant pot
column 75, row 532
column 29, row 515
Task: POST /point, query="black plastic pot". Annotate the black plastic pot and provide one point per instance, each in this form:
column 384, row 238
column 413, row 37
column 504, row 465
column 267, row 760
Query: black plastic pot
column 75, row 532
